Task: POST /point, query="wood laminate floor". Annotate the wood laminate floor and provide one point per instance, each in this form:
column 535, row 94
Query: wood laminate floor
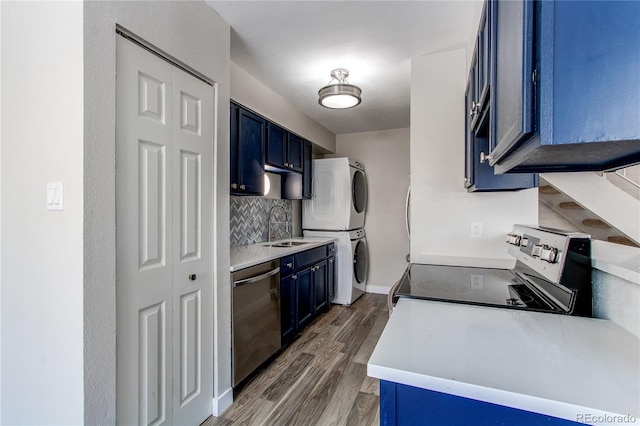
column 321, row 378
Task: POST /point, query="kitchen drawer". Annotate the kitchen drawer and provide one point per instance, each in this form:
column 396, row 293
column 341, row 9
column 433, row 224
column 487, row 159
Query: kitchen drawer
column 310, row 256
column 287, row 265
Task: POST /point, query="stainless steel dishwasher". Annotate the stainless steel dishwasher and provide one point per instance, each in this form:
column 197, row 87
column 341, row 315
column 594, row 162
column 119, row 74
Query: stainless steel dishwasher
column 256, row 317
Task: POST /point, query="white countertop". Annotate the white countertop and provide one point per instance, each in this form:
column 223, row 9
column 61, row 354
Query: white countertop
column 616, row 259
column 545, row 363
column 254, row 254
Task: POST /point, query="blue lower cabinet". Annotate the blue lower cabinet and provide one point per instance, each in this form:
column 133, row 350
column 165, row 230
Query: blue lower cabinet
column 405, row 405
column 307, row 285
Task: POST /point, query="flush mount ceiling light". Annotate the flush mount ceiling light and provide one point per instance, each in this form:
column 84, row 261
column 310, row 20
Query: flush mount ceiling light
column 341, row 94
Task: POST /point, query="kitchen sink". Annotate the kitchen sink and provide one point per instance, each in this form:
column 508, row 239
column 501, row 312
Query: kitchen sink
column 287, row 244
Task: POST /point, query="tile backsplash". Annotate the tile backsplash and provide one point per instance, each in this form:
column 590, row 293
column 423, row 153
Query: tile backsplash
column 250, row 216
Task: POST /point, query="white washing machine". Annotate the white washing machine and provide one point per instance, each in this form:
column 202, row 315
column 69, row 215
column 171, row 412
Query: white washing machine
column 352, row 263
column 339, row 198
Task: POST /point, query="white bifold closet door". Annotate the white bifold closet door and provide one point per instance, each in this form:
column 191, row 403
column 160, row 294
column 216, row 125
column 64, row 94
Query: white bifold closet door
column 164, row 205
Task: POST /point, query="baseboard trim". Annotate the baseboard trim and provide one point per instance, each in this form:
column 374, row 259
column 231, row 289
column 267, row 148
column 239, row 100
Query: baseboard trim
column 377, row 289
column 221, row 403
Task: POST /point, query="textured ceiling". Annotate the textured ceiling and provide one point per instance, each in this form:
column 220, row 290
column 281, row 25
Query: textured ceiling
column 291, row 46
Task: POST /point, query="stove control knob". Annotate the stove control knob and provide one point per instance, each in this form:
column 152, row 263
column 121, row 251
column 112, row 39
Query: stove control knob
column 549, row 254
column 537, row 250
column 524, row 242
column 514, row 239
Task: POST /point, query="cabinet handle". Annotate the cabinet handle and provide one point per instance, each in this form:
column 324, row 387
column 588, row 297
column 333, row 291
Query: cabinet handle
column 294, row 277
column 330, row 260
column 242, row 186
column 192, row 277
column 475, row 106
column 484, row 157
column 234, row 186
column 289, row 265
column 257, row 278
column 286, row 164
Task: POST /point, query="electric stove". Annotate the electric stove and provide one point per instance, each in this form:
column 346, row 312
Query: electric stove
column 552, row 274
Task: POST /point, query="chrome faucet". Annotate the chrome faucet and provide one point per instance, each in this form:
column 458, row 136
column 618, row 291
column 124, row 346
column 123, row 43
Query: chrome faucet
column 286, row 222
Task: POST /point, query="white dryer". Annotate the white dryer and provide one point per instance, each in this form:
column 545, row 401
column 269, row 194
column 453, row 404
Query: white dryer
column 352, row 263
column 339, row 198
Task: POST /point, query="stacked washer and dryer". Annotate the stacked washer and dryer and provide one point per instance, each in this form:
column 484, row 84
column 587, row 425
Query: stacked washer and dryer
column 337, row 210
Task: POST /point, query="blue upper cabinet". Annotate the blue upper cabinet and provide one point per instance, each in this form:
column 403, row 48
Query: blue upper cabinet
column 480, row 102
column 296, row 186
column 248, row 133
column 257, row 145
column 566, row 85
column 294, row 152
column 284, row 149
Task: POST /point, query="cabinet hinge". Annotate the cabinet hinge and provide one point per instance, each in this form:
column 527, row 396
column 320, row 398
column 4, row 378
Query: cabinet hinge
column 534, row 76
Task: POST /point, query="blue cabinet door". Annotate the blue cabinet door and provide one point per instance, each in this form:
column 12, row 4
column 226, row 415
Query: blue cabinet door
column 276, row 146
column 304, row 297
column 404, row 405
column 294, row 152
column 287, row 309
column 321, row 297
column 251, row 138
column 512, row 80
column 247, row 145
column 483, row 70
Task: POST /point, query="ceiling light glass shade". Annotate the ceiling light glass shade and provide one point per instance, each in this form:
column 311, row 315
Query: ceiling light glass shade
column 339, row 95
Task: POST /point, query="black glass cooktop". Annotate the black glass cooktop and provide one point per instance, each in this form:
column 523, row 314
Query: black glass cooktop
column 478, row 286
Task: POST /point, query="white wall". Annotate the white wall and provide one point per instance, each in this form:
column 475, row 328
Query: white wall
column 617, row 300
column 42, row 251
column 196, row 35
column 385, row 155
column 255, row 95
column 547, row 217
column 441, row 208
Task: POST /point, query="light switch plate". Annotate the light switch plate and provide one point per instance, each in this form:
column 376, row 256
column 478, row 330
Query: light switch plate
column 55, row 196
column 477, row 281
